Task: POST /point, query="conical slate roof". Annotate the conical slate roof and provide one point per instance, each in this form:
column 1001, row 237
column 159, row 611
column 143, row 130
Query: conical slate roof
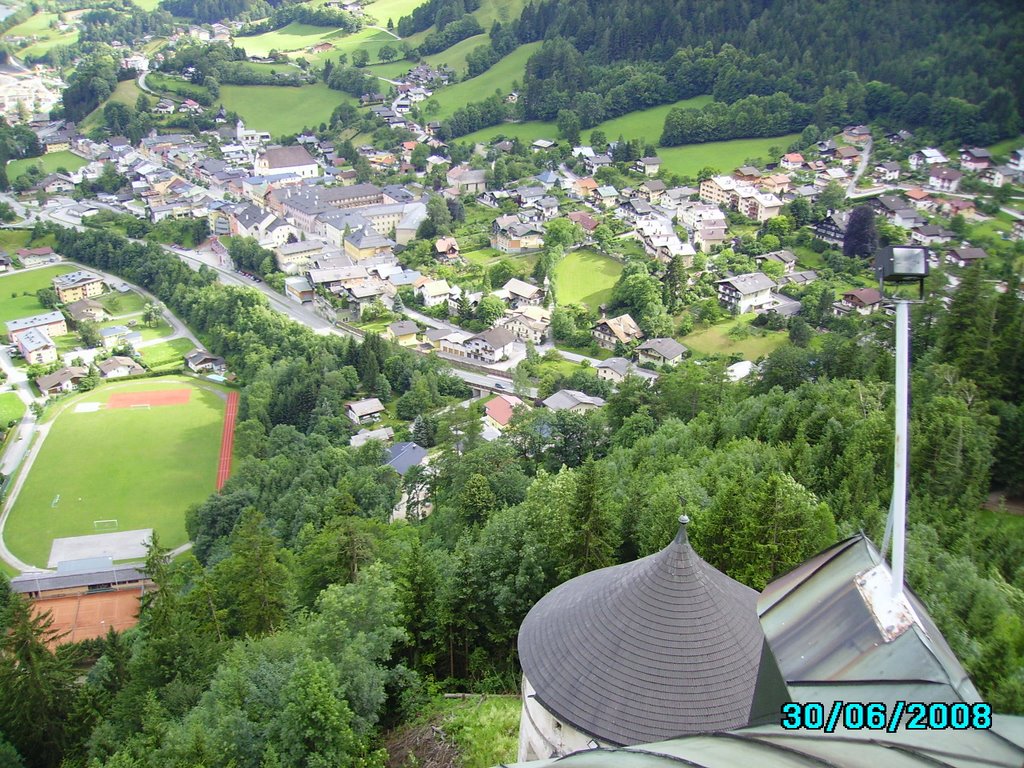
column 660, row 647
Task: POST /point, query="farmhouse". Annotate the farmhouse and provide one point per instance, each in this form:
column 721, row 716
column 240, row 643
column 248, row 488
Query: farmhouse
column 745, row 293
column 52, row 324
column 62, row 380
column 364, row 411
column 280, row 160
column 77, row 285
column 609, row 331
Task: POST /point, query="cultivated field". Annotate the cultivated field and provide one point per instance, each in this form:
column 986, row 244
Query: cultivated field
column 280, row 109
column 13, row 301
column 141, row 466
column 48, row 162
column 586, row 277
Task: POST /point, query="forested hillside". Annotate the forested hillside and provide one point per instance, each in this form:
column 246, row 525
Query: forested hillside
column 302, row 622
column 947, row 68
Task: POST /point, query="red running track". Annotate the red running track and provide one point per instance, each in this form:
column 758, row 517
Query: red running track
column 227, row 440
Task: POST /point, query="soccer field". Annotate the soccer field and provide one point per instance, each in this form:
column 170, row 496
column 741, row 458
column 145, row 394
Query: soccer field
column 107, row 458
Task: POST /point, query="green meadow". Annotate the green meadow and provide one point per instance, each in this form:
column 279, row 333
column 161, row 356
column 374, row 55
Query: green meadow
column 49, row 162
column 14, row 302
column 497, row 78
column 106, row 465
column 586, row 277
column 282, row 110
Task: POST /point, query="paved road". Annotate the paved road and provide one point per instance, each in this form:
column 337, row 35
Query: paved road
column 862, row 166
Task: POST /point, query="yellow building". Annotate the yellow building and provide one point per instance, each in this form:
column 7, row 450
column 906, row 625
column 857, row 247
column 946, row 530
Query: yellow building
column 76, row 286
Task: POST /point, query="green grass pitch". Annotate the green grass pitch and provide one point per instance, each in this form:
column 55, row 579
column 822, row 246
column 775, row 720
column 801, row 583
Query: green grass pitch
column 142, row 467
column 586, row 277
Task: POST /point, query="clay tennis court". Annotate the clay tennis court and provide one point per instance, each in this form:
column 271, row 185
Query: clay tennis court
column 152, row 397
column 91, row 615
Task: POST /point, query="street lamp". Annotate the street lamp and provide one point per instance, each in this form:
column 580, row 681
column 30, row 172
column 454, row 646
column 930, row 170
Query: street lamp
column 898, row 266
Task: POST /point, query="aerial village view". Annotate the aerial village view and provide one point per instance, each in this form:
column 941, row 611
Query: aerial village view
column 472, row 383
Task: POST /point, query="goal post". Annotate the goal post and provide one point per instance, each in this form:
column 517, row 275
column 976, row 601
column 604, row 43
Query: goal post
column 105, row 525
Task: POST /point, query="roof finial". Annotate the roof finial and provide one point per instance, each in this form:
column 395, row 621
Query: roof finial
column 681, row 536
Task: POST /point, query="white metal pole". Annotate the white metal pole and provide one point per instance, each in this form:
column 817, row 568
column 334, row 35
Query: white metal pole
column 899, row 479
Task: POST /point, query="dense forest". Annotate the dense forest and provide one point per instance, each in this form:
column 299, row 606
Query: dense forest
column 303, row 622
column 210, row 11
column 947, row 69
column 123, row 21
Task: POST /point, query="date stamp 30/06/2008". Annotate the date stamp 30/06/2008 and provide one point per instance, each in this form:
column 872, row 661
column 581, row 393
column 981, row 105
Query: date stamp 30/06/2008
column 876, row 716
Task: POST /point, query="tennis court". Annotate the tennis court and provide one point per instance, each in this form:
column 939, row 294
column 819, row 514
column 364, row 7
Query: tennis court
column 92, row 614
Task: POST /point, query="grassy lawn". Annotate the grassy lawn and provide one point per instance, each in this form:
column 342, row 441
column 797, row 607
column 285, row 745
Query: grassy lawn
column 39, row 26
column 382, row 10
column 497, row 78
column 391, row 71
column 282, row 109
column 67, row 343
column 455, row 57
column 723, row 155
column 147, row 5
column 11, row 408
column 292, row 37
column 13, row 239
column 586, row 277
column 49, row 162
column 715, row 340
column 117, row 303
column 127, row 92
column 168, row 354
column 1005, row 147
column 372, row 40
column 158, row 331
column 107, row 464
column 485, row 257
column 647, row 124
column 13, row 301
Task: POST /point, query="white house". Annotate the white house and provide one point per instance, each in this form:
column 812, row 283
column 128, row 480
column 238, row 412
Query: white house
column 746, row 293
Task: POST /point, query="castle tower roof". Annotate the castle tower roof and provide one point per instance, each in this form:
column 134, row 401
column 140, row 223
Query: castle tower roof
column 660, row 647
